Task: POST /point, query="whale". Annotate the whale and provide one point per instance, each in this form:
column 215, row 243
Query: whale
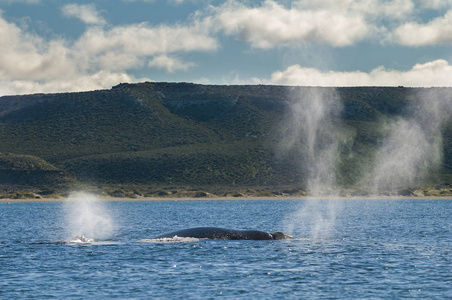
column 215, row 233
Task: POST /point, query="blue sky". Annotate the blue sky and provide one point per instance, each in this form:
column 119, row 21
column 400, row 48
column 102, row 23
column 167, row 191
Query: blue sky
column 59, row 46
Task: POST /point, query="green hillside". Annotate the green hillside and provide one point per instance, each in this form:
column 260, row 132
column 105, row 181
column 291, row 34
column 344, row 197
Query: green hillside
column 19, row 172
column 186, row 135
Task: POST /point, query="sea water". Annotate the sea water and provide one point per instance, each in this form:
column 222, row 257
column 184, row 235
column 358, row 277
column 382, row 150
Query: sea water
column 377, row 249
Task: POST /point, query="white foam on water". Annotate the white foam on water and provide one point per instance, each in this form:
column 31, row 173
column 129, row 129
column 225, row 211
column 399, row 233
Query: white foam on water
column 87, row 218
column 80, row 239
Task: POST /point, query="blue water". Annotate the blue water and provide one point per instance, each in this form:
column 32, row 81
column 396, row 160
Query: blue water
column 366, row 249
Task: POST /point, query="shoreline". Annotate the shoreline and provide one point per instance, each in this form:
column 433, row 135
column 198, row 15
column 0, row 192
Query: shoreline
column 245, row 198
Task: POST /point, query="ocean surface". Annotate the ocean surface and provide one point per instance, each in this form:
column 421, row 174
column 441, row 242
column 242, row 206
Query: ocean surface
column 343, row 249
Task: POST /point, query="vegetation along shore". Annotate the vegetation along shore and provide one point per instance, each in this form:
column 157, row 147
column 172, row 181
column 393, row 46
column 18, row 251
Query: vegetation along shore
column 183, row 140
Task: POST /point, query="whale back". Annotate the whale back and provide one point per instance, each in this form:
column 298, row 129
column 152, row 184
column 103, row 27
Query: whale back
column 216, row 233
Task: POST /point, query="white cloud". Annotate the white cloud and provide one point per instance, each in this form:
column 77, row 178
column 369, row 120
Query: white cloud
column 170, row 64
column 27, row 56
column 87, row 13
column 435, row 4
column 99, row 58
column 367, row 8
column 142, row 39
column 395, row 9
column 335, row 23
column 127, row 47
column 272, row 25
column 437, row 31
column 83, row 82
column 434, row 73
column 30, row 64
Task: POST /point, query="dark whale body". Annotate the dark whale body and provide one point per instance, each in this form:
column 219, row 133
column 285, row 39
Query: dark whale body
column 215, row 233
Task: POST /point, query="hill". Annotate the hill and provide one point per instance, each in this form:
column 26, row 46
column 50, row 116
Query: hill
column 173, row 135
column 22, row 172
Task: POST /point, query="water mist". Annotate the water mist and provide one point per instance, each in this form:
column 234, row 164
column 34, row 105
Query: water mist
column 315, row 135
column 87, row 217
column 413, row 146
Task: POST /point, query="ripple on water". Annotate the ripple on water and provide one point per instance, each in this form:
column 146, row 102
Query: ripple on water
column 406, row 258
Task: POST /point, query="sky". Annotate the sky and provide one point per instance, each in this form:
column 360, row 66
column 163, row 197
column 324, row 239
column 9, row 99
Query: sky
column 49, row 46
